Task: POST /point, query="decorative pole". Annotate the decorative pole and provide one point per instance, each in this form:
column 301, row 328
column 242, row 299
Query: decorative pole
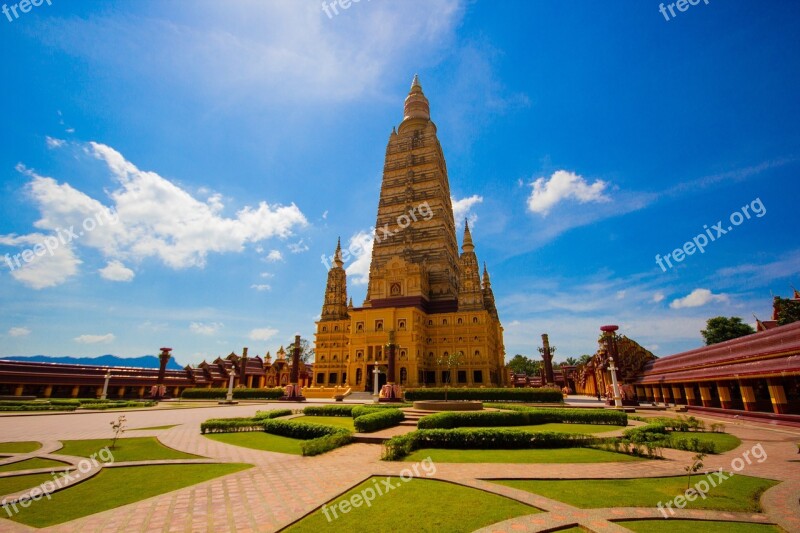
column 105, row 385
column 293, row 391
column 611, row 345
column 547, row 352
column 391, row 391
column 229, row 398
column 163, row 359
column 375, row 372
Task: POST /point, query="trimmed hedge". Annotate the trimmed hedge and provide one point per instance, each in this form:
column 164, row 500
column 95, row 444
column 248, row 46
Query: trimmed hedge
column 360, row 410
column 117, row 405
column 231, row 425
column 319, row 439
column 326, row 443
column 238, row 394
column 543, row 415
column 37, row 407
column 480, row 438
column 328, row 410
column 379, row 419
column 487, row 395
column 455, row 419
column 272, row 414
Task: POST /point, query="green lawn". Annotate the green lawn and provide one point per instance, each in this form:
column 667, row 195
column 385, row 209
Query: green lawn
column 724, row 441
column 9, row 485
column 132, row 449
column 568, row 428
column 114, row 487
column 19, row 447
column 154, row 428
column 738, row 493
column 420, row 504
column 674, row 525
column 30, row 464
column 558, row 455
column 338, row 421
column 258, row 440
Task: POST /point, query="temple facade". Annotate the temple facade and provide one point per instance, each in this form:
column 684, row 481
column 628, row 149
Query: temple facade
column 435, row 300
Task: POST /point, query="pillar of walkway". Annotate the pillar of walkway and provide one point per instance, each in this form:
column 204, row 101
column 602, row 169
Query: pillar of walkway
column 657, row 398
column 690, row 397
column 677, row 397
column 648, row 393
column 177, row 392
column 141, row 392
column 48, row 391
column 778, row 396
column 724, row 395
column 666, row 393
column 98, row 391
column 18, row 390
column 121, row 392
column 75, row 391
column 705, row 395
column 748, row 397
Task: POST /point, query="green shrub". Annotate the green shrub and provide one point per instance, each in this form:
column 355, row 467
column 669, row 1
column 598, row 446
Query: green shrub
column 488, row 395
column 59, row 401
column 359, row 410
column 452, row 419
column 121, row 404
column 328, row 410
column 691, row 444
column 543, row 415
column 653, row 433
column 480, row 438
column 238, row 394
column 231, row 425
column 379, row 419
column 297, row 430
column 326, row 443
column 262, row 415
column 39, row 406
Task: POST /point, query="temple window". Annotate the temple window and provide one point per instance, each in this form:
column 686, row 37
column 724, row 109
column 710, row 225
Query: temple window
column 320, row 378
column 474, row 320
column 403, row 375
column 460, row 321
column 359, row 326
column 335, row 328
column 477, row 376
column 401, row 325
column 444, row 321
column 332, row 378
column 324, row 329
column 379, row 325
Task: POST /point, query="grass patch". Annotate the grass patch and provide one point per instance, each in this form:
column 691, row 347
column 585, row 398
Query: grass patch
column 20, row 447
column 723, row 441
column 404, row 504
column 114, row 487
column 30, row 464
column 154, row 428
column 559, row 455
column 739, row 493
column 337, row 421
column 584, row 429
column 258, row 440
column 675, row 525
column 132, row 449
column 9, row 485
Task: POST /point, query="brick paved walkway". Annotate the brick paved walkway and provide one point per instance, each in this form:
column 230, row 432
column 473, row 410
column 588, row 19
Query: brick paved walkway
column 282, row 488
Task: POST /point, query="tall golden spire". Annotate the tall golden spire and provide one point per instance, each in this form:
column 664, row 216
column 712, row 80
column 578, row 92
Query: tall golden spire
column 334, row 306
column 467, row 245
column 416, row 105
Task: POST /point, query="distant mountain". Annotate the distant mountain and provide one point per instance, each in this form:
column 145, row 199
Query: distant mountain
column 145, row 361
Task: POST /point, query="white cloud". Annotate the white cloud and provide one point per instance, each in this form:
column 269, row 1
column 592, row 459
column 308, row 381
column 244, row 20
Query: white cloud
column 262, row 334
column 19, row 332
column 95, row 339
column 203, row 328
column 116, row 271
column 325, row 215
column 298, row 247
column 261, row 287
column 620, row 295
column 274, row 256
column 360, row 247
column 564, row 185
column 138, row 226
column 463, row 209
column 53, row 142
column 698, row 298
column 658, row 297
column 42, row 271
column 267, row 275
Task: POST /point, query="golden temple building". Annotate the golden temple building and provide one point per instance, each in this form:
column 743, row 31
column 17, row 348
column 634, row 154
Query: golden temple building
column 420, row 287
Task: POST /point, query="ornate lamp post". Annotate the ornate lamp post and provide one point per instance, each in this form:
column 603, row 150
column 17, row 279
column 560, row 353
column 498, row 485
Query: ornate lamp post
column 391, row 392
column 294, row 392
column 229, row 397
column 611, row 345
column 375, row 372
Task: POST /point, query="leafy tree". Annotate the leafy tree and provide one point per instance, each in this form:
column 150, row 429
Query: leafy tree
column 719, row 329
column 520, row 364
column 450, row 361
column 570, row 361
column 789, row 311
column 584, row 359
column 306, row 350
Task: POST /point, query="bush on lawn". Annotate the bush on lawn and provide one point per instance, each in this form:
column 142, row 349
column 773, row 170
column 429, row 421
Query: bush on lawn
column 272, row 414
column 379, row 419
column 450, row 420
column 319, row 438
column 479, row 438
column 231, row 425
column 117, row 404
column 543, row 415
column 328, row 410
column 488, row 395
column 39, row 406
column 238, row 394
column 326, row 443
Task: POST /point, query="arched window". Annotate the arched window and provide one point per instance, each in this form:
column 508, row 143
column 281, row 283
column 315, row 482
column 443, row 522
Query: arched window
column 444, row 321
column 324, row 329
column 430, row 322
column 474, row 320
column 335, row 328
column 460, row 321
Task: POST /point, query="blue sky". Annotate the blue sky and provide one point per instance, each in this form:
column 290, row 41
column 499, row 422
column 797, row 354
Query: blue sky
column 225, row 146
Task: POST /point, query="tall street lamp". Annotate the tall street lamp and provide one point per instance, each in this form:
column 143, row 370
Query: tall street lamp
column 611, row 346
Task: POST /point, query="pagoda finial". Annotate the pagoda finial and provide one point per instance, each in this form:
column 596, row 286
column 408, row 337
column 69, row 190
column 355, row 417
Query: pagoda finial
column 467, row 245
column 486, row 275
column 415, row 82
column 337, row 255
column 416, row 105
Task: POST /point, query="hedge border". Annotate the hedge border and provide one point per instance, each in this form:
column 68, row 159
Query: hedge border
column 526, row 395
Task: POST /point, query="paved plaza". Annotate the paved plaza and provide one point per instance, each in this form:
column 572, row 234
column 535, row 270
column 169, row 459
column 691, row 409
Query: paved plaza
column 283, row 488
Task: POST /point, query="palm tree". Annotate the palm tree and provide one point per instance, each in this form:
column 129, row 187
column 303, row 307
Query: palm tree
column 570, row 361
